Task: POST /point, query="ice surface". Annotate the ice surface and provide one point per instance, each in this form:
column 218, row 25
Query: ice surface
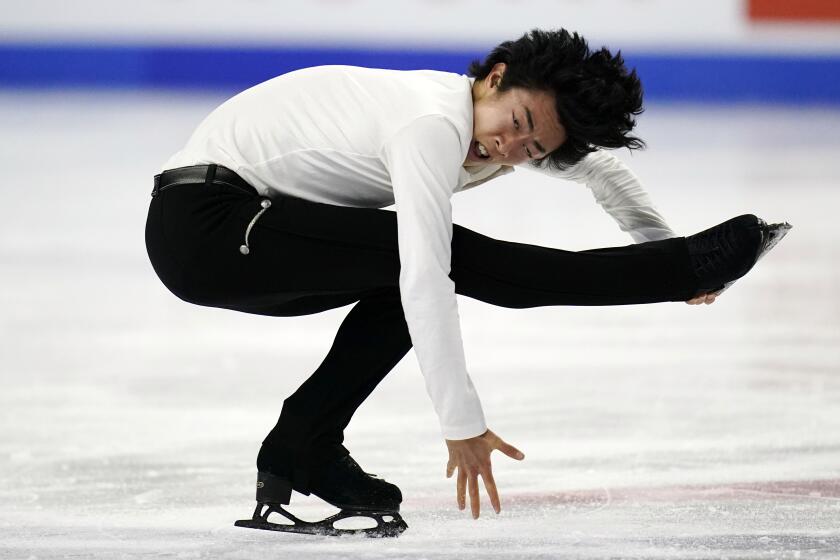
column 130, row 420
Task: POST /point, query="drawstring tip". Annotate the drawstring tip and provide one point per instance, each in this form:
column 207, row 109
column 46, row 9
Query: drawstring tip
column 265, row 203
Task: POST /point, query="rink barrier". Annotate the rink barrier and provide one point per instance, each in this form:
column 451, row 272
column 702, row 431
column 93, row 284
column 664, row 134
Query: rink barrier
column 702, row 77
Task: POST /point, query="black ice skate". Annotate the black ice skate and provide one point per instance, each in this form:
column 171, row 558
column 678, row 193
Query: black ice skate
column 724, row 253
column 341, row 483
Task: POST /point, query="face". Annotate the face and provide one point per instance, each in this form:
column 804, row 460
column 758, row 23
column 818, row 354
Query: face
column 513, row 127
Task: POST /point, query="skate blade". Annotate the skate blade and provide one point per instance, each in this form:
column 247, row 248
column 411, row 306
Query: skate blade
column 775, row 232
column 389, row 524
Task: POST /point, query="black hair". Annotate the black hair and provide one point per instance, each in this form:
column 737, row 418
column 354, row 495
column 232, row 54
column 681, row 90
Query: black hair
column 597, row 99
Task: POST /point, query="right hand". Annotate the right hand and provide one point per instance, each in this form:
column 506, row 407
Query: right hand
column 472, row 458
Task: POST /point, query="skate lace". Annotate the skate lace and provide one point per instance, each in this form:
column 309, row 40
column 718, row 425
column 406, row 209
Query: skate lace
column 358, row 471
column 713, row 249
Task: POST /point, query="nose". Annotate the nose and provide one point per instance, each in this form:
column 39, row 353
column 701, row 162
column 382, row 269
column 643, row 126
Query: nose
column 508, row 142
column 501, row 148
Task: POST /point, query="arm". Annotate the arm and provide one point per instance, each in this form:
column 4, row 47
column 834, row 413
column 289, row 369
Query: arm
column 619, row 192
column 424, row 159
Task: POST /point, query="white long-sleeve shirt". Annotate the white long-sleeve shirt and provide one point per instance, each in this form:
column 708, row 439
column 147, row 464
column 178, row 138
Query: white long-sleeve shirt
column 372, row 138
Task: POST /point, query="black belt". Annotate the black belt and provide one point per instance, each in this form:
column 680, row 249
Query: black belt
column 197, row 174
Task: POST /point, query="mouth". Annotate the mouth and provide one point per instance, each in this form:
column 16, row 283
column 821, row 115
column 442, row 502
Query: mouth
column 479, row 151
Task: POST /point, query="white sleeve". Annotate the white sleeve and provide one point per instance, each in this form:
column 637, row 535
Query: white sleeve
column 424, row 160
column 619, row 192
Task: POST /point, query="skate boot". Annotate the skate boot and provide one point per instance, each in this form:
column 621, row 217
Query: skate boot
column 340, row 482
column 345, row 485
column 724, row 253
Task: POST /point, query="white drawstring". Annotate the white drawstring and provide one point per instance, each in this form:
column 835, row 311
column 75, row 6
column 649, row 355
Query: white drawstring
column 245, row 249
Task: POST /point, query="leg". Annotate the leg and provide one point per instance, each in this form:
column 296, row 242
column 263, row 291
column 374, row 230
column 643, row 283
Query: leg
column 372, row 339
column 518, row 275
column 193, row 236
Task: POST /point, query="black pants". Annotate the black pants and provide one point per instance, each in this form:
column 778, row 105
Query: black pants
column 308, row 257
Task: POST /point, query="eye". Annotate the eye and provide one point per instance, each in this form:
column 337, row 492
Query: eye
column 527, row 151
column 515, row 121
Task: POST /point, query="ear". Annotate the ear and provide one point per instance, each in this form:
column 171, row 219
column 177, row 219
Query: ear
column 494, row 78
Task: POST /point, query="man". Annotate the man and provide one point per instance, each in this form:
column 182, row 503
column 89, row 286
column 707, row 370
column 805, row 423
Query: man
column 274, row 207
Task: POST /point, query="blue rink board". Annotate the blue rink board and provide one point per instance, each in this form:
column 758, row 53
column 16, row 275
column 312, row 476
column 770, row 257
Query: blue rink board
column 716, row 77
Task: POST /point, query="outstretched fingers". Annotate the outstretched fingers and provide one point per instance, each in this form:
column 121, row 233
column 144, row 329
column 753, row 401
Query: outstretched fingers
column 471, row 458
